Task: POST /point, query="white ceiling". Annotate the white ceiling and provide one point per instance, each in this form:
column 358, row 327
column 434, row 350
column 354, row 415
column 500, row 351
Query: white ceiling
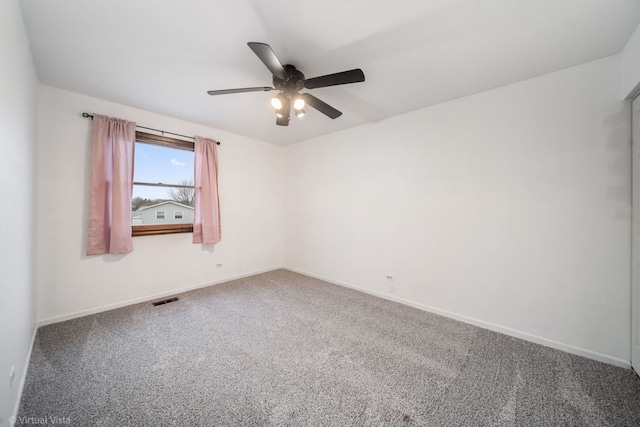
column 163, row 55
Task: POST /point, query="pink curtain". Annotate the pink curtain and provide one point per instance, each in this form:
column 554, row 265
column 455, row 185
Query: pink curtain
column 113, row 143
column 206, row 224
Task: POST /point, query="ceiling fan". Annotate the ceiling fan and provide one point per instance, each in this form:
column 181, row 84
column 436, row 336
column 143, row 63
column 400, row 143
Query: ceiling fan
column 290, row 81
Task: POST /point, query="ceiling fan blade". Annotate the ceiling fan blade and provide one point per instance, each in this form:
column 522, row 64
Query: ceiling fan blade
column 343, row 78
column 321, row 106
column 240, row 90
column 269, row 58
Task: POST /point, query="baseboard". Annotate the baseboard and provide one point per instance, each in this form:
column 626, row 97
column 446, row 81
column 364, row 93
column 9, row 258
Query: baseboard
column 14, row 417
column 146, row 298
column 600, row 357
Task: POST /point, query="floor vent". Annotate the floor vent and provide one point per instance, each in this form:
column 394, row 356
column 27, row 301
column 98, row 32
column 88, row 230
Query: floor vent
column 165, row 301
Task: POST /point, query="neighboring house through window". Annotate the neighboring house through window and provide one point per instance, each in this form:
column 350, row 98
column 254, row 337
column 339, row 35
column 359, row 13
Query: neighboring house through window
column 167, row 213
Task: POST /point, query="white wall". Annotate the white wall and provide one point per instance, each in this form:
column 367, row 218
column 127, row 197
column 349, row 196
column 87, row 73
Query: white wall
column 18, row 90
column 509, row 209
column 250, row 185
column 631, row 66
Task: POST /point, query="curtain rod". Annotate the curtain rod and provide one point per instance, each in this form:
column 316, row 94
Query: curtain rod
column 89, row 116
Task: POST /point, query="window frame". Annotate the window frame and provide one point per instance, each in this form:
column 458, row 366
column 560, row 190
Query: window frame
column 156, row 229
column 175, row 215
column 164, row 214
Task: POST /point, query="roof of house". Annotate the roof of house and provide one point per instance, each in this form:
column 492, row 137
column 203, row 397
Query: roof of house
column 165, row 203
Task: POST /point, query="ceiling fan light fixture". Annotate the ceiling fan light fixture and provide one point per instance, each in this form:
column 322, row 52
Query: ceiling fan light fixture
column 279, row 101
column 299, row 112
column 298, row 103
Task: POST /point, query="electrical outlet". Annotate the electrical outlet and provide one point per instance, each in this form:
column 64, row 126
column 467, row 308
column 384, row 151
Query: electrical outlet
column 389, row 277
column 12, row 375
column 219, row 265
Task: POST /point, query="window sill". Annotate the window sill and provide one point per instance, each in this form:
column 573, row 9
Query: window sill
column 151, row 230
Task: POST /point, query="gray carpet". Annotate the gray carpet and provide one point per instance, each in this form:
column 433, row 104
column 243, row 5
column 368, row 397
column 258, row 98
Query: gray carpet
column 282, row 349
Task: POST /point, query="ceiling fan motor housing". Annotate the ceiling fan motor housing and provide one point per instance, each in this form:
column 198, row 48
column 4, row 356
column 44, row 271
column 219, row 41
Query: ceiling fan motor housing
column 293, row 84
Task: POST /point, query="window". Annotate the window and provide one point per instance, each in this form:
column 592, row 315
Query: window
column 163, row 183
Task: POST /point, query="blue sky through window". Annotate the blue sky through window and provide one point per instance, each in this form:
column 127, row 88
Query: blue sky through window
column 157, row 164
